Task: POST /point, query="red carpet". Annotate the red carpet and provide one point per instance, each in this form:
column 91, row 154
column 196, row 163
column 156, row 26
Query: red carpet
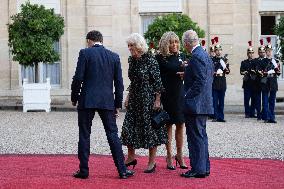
column 54, row 171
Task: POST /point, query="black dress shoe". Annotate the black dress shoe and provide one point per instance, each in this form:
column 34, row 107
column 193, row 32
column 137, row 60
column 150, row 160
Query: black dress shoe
column 191, row 174
column 272, row 121
column 247, row 116
column 207, row 173
column 151, row 170
column 127, row 174
column 221, row 120
column 133, row 163
column 210, row 117
column 79, row 174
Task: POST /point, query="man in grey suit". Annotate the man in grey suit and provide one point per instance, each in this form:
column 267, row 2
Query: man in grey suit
column 98, row 70
column 198, row 78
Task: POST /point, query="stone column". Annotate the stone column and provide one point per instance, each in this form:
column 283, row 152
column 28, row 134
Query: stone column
column 74, row 37
column 5, row 68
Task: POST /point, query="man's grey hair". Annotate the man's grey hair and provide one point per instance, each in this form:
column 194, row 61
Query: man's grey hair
column 138, row 41
column 190, row 37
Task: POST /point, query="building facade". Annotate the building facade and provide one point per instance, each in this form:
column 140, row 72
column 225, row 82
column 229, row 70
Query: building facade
column 234, row 21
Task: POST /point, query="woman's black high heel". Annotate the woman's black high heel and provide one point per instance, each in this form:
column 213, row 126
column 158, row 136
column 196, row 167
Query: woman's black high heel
column 170, row 167
column 134, row 163
column 151, row 170
column 178, row 162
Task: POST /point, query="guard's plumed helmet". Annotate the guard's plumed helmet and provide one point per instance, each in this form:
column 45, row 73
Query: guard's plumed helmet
column 217, row 46
column 261, row 47
column 268, row 46
column 203, row 44
column 212, row 46
column 250, row 48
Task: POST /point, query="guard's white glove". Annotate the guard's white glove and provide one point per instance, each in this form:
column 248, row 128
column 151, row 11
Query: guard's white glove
column 219, row 72
column 270, row 72
column 274, row 63
column 223, row 64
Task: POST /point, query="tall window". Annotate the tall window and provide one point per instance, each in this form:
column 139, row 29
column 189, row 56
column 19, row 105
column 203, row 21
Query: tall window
column 149, row 10
column 146, row 20
column 267, row 30
column 51, row 71
column 267, row 25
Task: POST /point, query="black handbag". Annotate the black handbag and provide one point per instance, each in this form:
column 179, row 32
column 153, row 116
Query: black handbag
column 159, row 119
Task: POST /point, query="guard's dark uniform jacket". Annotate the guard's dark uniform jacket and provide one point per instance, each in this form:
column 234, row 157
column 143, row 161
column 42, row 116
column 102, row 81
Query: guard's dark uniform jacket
column 219, row 82
column 269, row 81
column 219, row 87
column 256, row 74
column 247, row 71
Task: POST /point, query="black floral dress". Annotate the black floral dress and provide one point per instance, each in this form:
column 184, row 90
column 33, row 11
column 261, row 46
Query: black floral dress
column 145, row 82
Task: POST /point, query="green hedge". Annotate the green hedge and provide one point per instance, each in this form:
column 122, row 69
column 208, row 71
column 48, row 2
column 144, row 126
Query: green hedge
column 279, row 30
column 178, row 23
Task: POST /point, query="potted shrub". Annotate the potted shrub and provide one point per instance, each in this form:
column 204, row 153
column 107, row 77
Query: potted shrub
column 32, row 34
column 279, row 30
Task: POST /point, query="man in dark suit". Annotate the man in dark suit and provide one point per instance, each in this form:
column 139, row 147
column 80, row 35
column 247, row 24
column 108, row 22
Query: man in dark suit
column 98, row 69
column 198, row 80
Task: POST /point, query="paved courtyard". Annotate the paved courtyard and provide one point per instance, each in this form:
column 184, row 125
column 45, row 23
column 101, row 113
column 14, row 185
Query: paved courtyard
column 57, row 133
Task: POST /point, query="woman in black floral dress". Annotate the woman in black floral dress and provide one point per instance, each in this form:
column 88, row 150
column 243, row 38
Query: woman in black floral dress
column 143, row 98
column 171, row 67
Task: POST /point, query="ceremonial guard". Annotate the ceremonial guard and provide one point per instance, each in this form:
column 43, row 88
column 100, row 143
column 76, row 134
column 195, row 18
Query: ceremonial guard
column 256, row 80
column 270, row 70
column 221, row 69
column 248, row 73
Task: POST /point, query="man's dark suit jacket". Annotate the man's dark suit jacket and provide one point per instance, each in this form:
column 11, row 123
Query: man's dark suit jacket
column 98, row 70
column 198, row 83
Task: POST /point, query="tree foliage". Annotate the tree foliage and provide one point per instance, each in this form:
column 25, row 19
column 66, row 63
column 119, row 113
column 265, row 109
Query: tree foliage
column 178, row 23
column 32, row 34
column 279, row 30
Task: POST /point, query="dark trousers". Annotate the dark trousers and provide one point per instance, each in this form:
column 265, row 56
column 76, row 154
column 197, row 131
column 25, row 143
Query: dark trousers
column 268, row 105
column 218, row 103
column 248, row 103
column 197, row 143
column 256, row 103
column 85, row 117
